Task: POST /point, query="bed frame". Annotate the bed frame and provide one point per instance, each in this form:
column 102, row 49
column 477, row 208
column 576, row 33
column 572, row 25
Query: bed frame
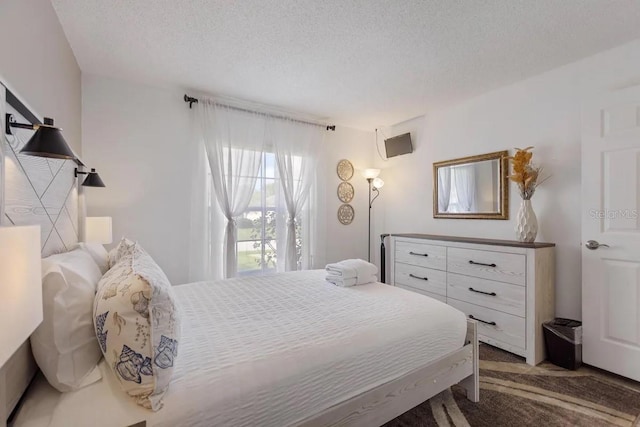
column 371, row 408
column 382, row 404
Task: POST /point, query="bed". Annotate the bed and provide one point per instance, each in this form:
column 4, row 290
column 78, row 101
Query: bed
column 287, row 349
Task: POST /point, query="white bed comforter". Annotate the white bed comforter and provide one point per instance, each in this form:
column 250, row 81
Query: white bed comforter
column 271, row 351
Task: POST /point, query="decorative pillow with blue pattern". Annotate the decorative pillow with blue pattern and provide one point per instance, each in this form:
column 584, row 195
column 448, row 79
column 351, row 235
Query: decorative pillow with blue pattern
column 138, row 326
column 124, row 247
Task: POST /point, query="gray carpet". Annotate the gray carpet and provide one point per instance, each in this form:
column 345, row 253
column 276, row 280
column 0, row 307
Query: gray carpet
column 513, row 393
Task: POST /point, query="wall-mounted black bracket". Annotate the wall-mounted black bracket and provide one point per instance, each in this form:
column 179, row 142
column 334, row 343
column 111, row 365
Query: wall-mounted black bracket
column 10, row 122
column 190, row 100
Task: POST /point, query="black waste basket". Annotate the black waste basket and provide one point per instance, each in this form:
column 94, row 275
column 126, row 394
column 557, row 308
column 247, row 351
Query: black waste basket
column 563, row 340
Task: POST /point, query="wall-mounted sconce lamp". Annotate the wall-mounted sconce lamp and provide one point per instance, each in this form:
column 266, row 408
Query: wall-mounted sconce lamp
column 375, row 184
column 92, row 179
column 47, row 141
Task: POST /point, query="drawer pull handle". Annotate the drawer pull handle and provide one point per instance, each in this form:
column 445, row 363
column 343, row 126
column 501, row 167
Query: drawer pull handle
column 493, row 294
column 483, row 321
column 418, row 277
column 415, row 253
column 481, row 263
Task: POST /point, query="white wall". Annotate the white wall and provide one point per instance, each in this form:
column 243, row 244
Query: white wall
column 346, row 241
column 136, row 136
column 37, row 62
column 542, row 111
column 133, row 135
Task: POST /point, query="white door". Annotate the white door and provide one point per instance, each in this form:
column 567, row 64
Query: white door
column 610, row 206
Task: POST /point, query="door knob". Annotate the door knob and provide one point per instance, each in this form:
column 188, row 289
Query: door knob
column 593, row 245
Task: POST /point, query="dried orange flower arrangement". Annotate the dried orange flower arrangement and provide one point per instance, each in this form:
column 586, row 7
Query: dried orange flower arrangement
column 525, row 173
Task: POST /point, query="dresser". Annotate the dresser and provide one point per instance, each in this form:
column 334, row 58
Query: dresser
column 506, row 286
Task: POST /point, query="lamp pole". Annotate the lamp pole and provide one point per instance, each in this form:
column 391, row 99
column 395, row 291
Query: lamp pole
column 369, row 180
column 375, row 184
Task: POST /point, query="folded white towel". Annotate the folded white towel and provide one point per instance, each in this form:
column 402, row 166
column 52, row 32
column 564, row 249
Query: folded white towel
column 352, row 268
column 345, row 283
column 351, row 272
column 338, row 270
column 341, row 281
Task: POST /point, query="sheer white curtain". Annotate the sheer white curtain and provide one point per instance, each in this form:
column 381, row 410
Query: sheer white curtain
column 200, row 230
column 444, row 188
column 234, row 141
column 296, row 146
column 465, row 183
column 206, row 244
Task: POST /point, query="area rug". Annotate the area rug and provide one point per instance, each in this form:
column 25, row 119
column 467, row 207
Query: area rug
column 513, row 393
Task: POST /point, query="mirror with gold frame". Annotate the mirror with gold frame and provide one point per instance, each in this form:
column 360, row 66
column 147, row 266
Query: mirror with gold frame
column 474, row 187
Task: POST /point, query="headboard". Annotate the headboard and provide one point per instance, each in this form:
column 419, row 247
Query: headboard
column 38, row 190
column 33, row 190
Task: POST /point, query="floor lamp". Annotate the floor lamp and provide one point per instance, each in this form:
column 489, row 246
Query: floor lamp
column 375, row 184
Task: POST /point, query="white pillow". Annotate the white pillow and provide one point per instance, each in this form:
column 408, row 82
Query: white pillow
column 124, row 247
column 64, row 345
column 138, row 326
column 98, row 253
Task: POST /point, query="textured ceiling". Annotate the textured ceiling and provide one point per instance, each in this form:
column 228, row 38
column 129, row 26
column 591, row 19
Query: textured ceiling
column 359, row 63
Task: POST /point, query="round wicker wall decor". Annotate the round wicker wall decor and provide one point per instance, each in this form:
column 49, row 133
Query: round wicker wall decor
column 344, row 170
column 345, row 214
column 345, row 192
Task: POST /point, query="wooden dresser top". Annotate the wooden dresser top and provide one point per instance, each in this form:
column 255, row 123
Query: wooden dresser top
column 494, row 242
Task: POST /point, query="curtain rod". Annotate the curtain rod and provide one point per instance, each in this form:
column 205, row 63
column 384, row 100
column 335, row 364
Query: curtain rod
column 191, row 100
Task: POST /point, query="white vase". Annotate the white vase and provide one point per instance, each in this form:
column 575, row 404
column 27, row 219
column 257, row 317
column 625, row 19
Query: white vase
column 527, row 223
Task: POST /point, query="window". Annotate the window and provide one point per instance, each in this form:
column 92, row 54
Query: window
column 257, row 227
column 262, row 227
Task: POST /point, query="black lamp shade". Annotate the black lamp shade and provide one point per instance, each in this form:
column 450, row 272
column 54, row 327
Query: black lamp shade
column 48, row 141
column 93, row 180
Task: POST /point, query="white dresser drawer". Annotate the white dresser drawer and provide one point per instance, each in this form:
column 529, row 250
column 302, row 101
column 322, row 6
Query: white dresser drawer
column 419, row 291
column 499, row 296
column 423, row 255
column 500, row 266
column 507, row 284
column 494, row 325
column 426, row 279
